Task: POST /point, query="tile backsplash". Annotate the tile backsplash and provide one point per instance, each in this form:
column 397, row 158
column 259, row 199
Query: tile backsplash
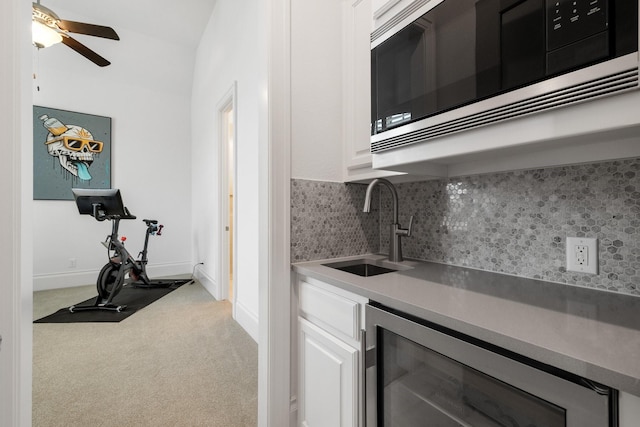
column 511, row 222
column 327, row 221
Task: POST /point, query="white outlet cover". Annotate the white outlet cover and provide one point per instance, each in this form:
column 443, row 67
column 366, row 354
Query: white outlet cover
column 591, row 257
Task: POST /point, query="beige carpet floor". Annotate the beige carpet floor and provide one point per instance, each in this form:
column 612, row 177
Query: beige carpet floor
column 182, row 361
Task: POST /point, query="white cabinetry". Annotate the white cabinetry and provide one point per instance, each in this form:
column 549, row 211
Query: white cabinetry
column 327, row 366
column 329, row 355
column 328, row 392
column 357, row 92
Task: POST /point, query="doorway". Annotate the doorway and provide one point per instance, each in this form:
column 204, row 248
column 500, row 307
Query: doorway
column 227, row 121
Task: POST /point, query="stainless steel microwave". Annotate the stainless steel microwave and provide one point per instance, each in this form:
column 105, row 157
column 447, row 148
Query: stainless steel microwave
column 461, row 64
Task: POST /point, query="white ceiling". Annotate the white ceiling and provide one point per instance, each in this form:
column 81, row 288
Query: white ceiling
column 180, row 21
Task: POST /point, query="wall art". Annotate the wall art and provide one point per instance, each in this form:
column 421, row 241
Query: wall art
column 70, row 150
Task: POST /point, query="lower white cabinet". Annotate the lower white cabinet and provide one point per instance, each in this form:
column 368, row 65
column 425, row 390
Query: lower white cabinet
column 329, row 365
column 328, row 379
column 327, row 359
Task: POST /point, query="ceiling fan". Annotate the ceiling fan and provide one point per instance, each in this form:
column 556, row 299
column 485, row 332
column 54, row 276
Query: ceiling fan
column 48, row 29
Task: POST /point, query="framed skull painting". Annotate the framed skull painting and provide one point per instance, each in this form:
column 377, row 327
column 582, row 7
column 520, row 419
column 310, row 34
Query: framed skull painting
column 70, row 150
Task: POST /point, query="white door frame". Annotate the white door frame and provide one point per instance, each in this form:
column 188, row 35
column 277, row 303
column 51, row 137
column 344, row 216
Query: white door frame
column 16, row 184
column 227, row 104
column 274, row 349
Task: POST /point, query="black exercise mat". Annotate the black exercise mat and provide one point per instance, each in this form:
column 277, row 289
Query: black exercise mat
column 135, row 298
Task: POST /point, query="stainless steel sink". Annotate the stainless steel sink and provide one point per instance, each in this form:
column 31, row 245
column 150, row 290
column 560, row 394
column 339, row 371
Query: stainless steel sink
column 366, row 267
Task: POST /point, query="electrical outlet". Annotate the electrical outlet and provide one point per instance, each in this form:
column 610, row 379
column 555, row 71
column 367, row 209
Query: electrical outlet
column 582, row 255
column 72, row 263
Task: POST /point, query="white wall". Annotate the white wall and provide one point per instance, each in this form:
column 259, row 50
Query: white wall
column 228, row 53
column 146, row 91
column 316, row 90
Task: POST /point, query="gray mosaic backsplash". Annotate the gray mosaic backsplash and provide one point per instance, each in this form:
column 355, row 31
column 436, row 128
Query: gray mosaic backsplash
column 512, row 222
column 327, row 221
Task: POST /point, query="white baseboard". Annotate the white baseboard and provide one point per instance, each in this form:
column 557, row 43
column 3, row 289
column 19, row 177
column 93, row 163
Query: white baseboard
column 208, row 282
column 245, row 318
column 44, row 282
column 248, row 320
column 173, row 269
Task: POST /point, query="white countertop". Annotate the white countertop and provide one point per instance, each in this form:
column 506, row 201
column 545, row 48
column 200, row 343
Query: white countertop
column 588, row 332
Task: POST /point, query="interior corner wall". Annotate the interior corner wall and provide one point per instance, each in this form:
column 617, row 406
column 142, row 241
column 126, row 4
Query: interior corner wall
column 317, row 90
column 228, row 53
column 146, row 91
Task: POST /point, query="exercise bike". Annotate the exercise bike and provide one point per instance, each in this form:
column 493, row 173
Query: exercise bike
column 106, row 204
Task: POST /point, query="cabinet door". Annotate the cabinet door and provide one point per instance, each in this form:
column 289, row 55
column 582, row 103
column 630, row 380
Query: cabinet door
column 328, row 379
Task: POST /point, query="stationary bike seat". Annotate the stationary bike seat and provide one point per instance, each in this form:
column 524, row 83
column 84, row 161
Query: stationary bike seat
column 150, row 221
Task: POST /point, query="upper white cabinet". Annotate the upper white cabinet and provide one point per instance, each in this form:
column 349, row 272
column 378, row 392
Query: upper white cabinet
column 357, row 92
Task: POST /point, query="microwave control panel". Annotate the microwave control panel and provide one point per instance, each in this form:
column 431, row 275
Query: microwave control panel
column 570, row 21
column 577, row 33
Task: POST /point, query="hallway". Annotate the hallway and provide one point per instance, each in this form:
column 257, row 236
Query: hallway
column 182, row 361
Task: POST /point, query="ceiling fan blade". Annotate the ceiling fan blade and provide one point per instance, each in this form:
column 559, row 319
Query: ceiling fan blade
column 88, row 29
column 85, row 51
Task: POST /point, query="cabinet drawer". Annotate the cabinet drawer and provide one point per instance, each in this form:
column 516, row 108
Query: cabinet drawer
column 335, row 313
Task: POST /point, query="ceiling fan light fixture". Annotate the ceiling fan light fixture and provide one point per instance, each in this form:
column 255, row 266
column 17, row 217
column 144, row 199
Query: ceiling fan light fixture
column 43, row 35
column 49, row 29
